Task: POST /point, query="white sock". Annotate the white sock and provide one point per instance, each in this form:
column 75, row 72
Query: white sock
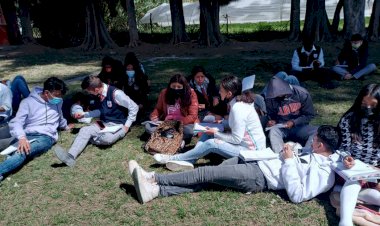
column 348, row 199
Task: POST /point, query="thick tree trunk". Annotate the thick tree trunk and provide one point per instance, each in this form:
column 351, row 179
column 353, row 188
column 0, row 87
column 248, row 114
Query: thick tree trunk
column 178, row 22
column 26, row 24
column 209, row 23
column 10, row 15
column 132, row 26
column 374, row 23
column 96, row 36
column 354, row 18
column 336, row 20
column 316, row 25
column 295, row 23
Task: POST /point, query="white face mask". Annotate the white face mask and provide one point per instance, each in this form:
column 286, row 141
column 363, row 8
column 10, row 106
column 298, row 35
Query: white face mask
column 356, row 45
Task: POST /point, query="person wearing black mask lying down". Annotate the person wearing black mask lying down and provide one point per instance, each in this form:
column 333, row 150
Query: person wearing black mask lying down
column 177, row 102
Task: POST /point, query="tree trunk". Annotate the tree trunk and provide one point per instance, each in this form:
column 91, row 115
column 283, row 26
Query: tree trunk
column 354, row 18
column 374, row 23
column 132, row 26
column 209, row 23
column 178, row 22
column 26, row 24
column 316, row 25
column 336, row 20
column 10, row 15
column 96, row 36
column 295, row 23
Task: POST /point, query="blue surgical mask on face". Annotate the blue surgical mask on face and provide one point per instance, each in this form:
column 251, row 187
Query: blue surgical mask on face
column 55, row 100
column 131, row 74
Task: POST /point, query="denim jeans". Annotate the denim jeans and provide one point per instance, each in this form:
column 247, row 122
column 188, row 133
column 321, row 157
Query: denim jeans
column 206, row 145
column 245, row 177
column 15, row 160
column 20, row 90
column 365, row 71
column 291, row 79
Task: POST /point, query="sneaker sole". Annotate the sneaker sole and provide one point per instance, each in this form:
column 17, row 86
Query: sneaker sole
column 174, row 166
column 137, row 186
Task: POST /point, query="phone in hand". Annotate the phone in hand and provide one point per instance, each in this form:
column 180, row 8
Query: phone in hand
column 100, row 124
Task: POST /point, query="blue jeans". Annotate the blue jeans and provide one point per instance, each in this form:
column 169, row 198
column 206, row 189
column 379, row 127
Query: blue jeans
column 20, row 90
column 291, row 79
column 41, row 145
column 364, row 71
column 206, row 145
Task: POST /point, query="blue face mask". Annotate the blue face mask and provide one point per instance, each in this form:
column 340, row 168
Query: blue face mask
column 55, row 100
column 131, row 74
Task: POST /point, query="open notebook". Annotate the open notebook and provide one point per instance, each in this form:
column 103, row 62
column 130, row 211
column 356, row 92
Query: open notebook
column 360, row 171
column 201, row 127
column 251, row 155
column 12, row 148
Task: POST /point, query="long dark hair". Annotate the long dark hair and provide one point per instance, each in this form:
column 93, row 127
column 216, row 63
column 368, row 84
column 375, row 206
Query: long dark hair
column 185, row 99
column 372, row 90
column 233, row 84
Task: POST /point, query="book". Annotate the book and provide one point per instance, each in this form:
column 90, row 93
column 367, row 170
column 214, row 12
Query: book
column 265, row 154
column 12, row 148
column 360, row 171
column 278, row 125
column 153, row 123
column 111, row 129
column 202, row 127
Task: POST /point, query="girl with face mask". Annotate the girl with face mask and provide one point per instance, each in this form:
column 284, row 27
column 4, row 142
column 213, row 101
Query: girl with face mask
column 352, row 60
column 177, row 102
column 360, row 137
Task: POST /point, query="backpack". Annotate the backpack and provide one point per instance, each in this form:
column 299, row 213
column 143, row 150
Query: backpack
column 166, row 139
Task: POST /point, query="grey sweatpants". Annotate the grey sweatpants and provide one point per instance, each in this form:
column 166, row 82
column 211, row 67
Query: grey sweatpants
column 91, row 134
column 245, row 177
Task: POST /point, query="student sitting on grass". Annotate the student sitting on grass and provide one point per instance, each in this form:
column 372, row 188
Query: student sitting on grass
column 303, row 177
column 80, row 110
column 207, row 94
column 19, row 89
column 246, row 130
column 360, row 135
column 114, row 103
column 352, row 60
column 177, row 102
column 35, row 124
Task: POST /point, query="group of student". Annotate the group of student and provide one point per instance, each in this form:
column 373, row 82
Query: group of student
column 284, row 107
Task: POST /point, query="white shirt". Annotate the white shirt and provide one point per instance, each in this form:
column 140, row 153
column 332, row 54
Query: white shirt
column 296, row 60
column 123, row 100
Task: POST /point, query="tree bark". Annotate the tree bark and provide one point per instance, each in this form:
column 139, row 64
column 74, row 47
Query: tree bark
column 374, row 23
column 132, row 26
column 295, row 23
column 316, row 25
column 26, row 24
column 178, row 22
column 336, row 20
column 354, row 18
column 209, row 23
column 96, row 36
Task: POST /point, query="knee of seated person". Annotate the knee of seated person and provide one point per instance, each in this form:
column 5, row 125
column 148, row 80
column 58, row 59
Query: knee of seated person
column 85, row 129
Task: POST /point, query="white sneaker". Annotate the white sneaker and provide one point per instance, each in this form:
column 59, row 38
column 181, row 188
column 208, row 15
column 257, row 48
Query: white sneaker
column 161, row 158
column 145, row 190
column 179, row 165
column 133, row 165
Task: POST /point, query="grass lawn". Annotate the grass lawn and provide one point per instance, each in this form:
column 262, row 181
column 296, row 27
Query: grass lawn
column 98, row 190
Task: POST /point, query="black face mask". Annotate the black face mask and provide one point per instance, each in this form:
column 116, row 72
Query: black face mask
column 367, row 112
column 177, row 93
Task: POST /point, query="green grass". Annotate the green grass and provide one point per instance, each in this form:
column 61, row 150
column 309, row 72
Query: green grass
column 98, row 190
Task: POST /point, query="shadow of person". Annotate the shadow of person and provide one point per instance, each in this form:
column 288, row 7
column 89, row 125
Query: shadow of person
column 324, row 200
column 129, row 189
column 58, row 165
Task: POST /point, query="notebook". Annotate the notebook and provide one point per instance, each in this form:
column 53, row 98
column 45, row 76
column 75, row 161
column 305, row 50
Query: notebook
column 360, row 171
column 202, row 127
column 265, row 154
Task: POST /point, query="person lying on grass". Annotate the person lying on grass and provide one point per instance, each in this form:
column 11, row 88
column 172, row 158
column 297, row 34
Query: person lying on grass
column 303, row 177
column 246, row 131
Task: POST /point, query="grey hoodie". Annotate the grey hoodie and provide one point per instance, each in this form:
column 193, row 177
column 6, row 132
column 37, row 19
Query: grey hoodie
column 35, row 115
